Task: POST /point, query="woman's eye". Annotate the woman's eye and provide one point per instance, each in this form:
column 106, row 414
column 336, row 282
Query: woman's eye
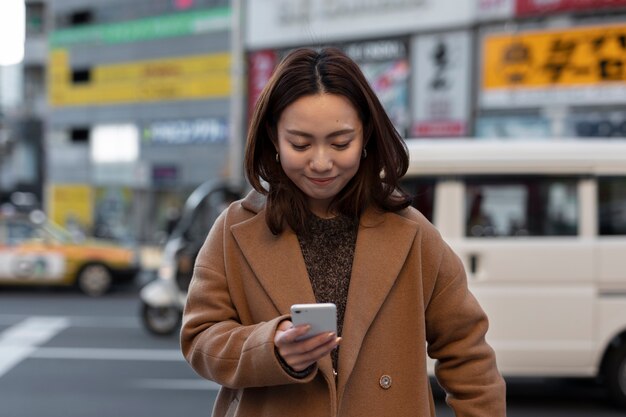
column 341, row 145
column 299, row 147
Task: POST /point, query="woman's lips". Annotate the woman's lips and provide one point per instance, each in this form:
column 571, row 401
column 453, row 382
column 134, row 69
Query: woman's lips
column 321, row 181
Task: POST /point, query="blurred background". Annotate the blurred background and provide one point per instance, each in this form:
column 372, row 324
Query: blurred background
column 122, row 128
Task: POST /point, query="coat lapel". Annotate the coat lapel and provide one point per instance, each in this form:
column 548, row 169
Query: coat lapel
column 278, row 264
column 383, row 243
column 276, row 261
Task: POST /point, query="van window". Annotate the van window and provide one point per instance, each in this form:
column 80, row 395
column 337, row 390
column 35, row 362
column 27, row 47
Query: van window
column 612, row 206
column 521, row 206
column 423, row 192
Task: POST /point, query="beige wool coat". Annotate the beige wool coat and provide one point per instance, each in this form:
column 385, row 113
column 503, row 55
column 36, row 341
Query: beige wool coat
column 408, row 297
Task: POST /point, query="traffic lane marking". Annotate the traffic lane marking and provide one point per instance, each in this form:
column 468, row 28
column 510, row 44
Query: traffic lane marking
column 129, row 322
column 21, row 340
column 176, row 384
column 108, row 354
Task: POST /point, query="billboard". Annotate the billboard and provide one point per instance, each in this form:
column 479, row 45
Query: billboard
column 554, row 67
column 71, row 205
column 283, row 23
column 441, row 86
column 159, row 27
column 176, row 78
column 494, row 9
column 597, row 124
column 539, row 7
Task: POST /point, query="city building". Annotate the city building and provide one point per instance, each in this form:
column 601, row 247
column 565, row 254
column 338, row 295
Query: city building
column 22, row 114
column 481, row 69
column 139, row 110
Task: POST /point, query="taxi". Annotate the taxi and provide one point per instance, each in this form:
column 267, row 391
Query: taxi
column 36, row 251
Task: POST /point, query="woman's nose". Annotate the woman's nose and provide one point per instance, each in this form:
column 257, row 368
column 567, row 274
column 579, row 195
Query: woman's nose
column 321, row 161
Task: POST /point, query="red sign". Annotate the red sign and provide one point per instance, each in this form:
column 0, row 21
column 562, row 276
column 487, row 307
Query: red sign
column 439, row 128
column 261, row 65
column 535, row 7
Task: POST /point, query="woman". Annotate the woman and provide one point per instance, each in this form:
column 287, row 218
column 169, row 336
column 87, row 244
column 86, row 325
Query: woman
column 327, row 222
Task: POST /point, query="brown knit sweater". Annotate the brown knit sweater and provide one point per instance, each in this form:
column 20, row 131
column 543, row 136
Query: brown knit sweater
column 328, row 251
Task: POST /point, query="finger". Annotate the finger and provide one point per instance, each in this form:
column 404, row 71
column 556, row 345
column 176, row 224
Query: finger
column 285, row 325
column 290, row 335
column 308, row 352
column 303, row 361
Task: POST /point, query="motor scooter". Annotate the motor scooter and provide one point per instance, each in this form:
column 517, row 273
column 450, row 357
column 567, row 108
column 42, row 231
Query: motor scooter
column 163, row 299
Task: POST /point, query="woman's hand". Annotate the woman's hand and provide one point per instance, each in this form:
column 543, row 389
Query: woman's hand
column 299, row 355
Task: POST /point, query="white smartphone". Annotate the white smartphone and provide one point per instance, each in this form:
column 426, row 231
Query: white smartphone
column 322, row 317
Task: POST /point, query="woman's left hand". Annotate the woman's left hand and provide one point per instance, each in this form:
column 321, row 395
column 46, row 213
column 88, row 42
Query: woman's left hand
column 299, row 355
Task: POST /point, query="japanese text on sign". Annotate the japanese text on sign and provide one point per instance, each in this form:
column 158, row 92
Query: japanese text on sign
column 576, row 57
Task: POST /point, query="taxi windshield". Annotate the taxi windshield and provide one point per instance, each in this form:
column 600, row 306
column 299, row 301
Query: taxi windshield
column 57, row 232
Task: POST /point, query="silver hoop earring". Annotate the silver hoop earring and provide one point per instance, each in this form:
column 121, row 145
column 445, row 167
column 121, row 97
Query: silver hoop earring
column 277, row 158
column 364, row 154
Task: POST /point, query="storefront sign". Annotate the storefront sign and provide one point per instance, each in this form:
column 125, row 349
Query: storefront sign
column 385, row 65
column 597, row 125
column 441, row 88
column 513, row 127
column 261, row 65
column 179, row 24
column 185, row 132
column 536, row 7
column 71, row 205
column 281, row 23
column 187, row 77
column 555, row 67
column 165, row 175
column 494, row 9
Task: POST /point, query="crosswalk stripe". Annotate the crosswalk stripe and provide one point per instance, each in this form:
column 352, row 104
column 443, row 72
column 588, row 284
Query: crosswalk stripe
column 21, row 340
column 176, row 384
column 108, row 354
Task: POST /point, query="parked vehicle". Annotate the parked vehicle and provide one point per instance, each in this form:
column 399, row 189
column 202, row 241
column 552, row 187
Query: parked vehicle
column 163, row 299
column 541, row 229
column 36, row 251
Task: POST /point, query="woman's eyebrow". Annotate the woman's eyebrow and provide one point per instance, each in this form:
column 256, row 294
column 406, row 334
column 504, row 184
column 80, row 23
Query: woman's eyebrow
column 330, row 135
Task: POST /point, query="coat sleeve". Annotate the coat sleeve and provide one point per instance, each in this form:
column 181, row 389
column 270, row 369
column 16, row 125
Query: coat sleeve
column 214, row 342
column 456, row 326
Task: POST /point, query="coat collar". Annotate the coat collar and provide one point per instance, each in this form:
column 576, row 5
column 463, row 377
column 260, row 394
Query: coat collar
column 382, row 246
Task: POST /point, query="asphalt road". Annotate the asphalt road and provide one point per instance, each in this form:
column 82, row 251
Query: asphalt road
column 63, row 354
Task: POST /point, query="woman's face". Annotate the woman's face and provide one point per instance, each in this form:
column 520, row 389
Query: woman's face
column 320, row 140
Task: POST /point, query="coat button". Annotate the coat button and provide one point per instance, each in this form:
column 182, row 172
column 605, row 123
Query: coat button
column 385, row 382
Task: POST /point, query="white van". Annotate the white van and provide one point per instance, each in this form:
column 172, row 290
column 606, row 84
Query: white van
column 541, row 228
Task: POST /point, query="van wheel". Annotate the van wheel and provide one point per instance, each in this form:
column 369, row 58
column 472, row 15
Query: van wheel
column 615, row 375
column 94, row 280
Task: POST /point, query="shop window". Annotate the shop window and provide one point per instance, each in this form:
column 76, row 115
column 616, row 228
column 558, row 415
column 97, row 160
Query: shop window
column 79, row 135
column 521, row 206
column 81, row 75
column 612, row 206
column 81, row 17
column 34, row 83
column 35, row 18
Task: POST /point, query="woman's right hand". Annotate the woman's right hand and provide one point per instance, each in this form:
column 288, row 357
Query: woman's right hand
column 299, row 355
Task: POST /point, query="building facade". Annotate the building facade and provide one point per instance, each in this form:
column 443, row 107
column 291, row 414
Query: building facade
column 139, row 97
column 473, row 68
column 22, row 114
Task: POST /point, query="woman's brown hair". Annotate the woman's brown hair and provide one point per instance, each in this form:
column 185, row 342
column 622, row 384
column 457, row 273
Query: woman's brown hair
column 306, row 72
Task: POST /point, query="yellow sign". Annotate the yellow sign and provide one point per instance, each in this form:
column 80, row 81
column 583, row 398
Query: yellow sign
column 189, row 77
column 563, row 58
column 71, row 205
